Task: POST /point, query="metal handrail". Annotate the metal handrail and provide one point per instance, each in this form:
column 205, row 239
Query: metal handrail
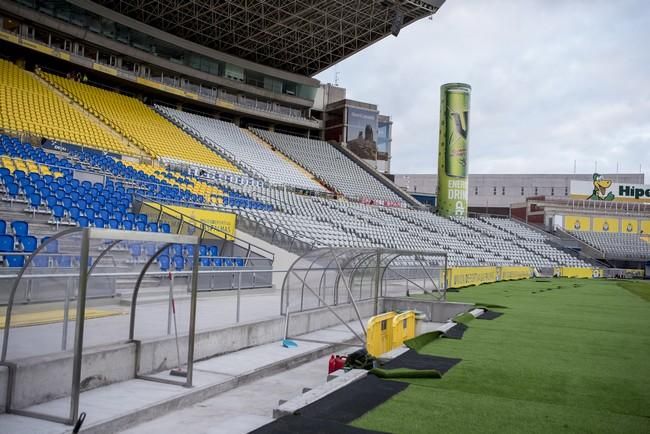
column 202, row 225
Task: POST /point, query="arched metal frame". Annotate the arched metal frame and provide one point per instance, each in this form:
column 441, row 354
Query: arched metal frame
column 116, row 236
column 349, row 264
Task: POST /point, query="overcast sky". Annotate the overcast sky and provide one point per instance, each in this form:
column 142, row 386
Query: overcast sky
column 553, row 81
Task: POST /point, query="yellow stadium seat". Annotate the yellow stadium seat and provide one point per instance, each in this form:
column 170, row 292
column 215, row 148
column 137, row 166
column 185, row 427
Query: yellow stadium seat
column 30, row 106
column 140, row 124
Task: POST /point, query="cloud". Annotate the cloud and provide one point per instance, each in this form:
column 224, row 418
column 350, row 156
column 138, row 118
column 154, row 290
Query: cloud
column 552, row 82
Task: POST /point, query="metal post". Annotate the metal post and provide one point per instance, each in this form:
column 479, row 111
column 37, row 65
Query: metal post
column 238, row 296
column 377, row 279
column 66, row 310
column 345, row 283
column 79, row 329
column 191, row 334
column 170, row 308
column 331, row 309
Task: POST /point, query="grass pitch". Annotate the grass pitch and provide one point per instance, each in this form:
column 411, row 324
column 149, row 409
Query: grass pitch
column 568, row 355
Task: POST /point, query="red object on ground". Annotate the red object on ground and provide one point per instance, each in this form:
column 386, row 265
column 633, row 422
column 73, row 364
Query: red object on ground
column 335, row 363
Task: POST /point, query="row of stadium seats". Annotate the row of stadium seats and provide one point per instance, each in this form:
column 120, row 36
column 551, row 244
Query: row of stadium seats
column 617, row 245
column 330, row 165
column 242, row 146
column 140, row 124
column 102, row 205
column 30, row 106
column 471, row 242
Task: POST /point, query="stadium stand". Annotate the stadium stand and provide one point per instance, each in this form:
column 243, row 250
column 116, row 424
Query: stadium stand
column 329, row 165
column 30, row 106
column 141, row 125
column 617, row 245
column 42, row 190
column 242, row 147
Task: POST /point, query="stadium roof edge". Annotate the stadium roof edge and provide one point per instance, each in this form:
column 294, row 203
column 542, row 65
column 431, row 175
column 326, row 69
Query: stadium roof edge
column 189, row 45
column 303, row 37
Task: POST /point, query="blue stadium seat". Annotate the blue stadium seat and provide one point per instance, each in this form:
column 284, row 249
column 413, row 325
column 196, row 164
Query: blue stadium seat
column 214, row 251
column 164, row 227
column 58, row 212
column 3, row 227
column 20, row 228
column 6, row 243
column 179, row 262
column 99, row 222
column 52, row 246
column 41, row 261
column 64, row 261
column 83, row 221
column 152, row 227
column 113, row 224
column 29, row 243
column 163, row 262
column 140, row 226
column 136, row 250
column 15, row 260
column 127, row 225
column 74, row 213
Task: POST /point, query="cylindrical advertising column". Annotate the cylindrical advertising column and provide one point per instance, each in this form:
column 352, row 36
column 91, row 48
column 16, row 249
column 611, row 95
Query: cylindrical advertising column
column 452, row 150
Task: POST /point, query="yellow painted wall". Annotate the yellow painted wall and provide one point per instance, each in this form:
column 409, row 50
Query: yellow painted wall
column 629, row 226
column 605, row 224
column 645, row 226
column 577, row 223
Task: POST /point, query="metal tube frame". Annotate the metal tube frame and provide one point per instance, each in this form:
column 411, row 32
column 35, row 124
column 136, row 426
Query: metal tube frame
column 84, row 274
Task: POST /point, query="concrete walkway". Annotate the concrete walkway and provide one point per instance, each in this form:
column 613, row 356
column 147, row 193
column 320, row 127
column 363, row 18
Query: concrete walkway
column 242, row 409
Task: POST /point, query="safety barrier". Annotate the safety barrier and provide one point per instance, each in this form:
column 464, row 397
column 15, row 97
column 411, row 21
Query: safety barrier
column 583, row 273
column 403, row 327
column 514, row 273
column 470, row 276
column 380, row 334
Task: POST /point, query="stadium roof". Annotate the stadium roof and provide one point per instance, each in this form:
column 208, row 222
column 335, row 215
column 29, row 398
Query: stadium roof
column 299, row 36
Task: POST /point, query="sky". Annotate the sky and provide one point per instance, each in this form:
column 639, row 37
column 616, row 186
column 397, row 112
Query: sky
column 553, row 82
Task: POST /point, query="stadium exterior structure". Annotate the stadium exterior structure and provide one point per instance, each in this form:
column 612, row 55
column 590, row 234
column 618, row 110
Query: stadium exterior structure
column 496, row 193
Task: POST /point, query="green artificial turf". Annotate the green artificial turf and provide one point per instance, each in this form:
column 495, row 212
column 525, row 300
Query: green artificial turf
column 568, row 355
column 420, row 341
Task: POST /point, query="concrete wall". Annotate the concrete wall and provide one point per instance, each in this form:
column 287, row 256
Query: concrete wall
column 43, row 378
column 282, row 261
column 434, row 311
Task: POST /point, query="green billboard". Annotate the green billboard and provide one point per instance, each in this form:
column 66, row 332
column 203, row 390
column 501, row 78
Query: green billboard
column 452, row 149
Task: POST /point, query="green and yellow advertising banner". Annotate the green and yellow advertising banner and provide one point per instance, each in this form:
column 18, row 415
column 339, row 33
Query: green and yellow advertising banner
column 453, row 149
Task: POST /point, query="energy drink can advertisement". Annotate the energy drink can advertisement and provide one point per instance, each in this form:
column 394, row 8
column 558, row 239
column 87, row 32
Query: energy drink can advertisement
column 453, row 149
